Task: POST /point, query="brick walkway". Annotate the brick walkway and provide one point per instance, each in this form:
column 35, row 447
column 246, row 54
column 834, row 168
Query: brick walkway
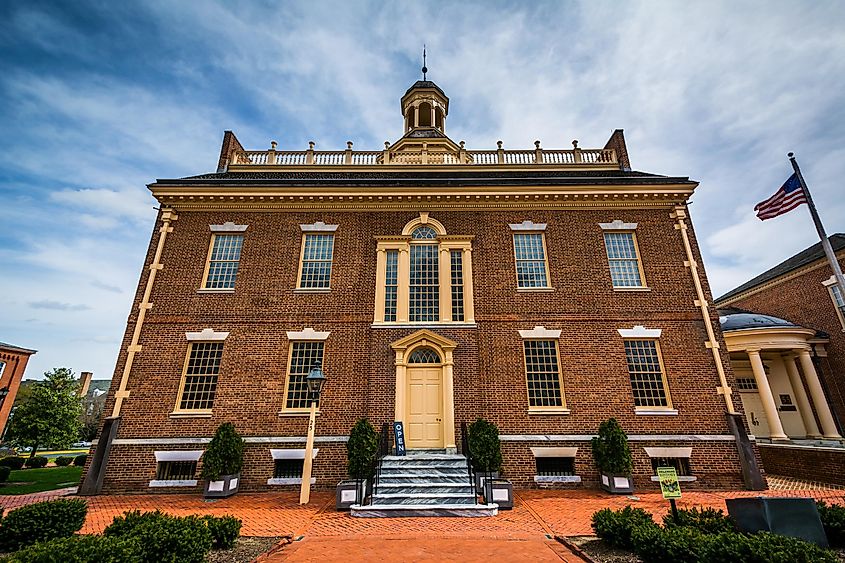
column 526, row 532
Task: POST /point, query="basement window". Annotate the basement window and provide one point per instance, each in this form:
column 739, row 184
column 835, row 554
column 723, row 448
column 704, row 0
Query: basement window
column 176, row 468
column 288, row 465
column 679, row 458
column 555, row 465
column 288, row 468
column 681, row 465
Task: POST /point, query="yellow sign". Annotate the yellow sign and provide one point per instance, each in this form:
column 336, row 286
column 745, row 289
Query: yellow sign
column 669, row 485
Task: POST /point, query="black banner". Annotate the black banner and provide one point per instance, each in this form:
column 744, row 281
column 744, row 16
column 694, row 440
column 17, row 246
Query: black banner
column 399, row 435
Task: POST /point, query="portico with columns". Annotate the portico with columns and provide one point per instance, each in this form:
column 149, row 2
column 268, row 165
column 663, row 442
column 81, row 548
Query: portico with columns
column 782, row 395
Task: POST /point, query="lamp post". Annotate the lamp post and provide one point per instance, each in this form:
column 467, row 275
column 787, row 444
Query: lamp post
column 315, row 382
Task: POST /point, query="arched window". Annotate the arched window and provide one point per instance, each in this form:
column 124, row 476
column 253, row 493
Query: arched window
column 438, row 118
column 424, row 355
column 424, row 232
column 425, row 114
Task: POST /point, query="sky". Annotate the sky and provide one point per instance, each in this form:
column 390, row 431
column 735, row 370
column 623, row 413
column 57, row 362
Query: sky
column 101, row 98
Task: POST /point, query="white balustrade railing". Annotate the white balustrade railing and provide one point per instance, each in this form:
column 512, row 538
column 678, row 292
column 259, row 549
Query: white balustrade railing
column 484, row 157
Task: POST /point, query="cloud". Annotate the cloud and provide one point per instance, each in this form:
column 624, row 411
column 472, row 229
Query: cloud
column 104, row 286
column 58, row 306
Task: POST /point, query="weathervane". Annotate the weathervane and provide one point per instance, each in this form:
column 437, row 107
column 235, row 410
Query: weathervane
column 424, row 69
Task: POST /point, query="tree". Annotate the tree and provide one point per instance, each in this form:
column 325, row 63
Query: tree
column 51, row 414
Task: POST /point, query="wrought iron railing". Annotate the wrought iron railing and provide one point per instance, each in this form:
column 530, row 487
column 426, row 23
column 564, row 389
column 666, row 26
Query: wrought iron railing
column 468, row 454
column 364, row 495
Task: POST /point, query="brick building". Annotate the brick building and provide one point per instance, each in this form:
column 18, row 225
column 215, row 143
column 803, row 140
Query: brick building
column 13, row 360
column 544, row 290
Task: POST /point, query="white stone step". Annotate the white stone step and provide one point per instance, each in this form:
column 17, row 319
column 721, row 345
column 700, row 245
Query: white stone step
column 422, row 510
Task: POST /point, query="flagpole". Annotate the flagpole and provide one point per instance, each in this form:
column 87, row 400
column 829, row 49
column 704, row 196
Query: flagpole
column 828, row 250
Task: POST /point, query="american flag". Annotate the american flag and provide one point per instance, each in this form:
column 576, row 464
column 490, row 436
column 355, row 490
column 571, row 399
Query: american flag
column 788, row 197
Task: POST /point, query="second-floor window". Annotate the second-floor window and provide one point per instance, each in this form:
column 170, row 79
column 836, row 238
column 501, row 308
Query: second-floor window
column 542, row 371
column 223, row 260
column 303, row 356
column 531, row 265
column 317, row 250
column 199, row 380
column 425, row 276
column 838, row 299
column 645, row 368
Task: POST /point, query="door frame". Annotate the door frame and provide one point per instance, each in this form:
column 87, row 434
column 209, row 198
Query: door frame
column 444, row 347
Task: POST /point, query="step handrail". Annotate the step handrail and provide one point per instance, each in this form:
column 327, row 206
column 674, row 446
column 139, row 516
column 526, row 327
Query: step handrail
column 468, row 454
column 383, row 450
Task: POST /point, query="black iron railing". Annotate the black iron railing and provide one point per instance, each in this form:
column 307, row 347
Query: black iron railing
column 468, row 454
column 375, row 468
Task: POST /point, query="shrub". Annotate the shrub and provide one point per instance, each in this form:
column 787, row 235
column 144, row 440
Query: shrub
column 667, row 545
column 63, row 461
column 610, row 449
column 5, row 470
column 79, row 461
column 36, row 462
column 484, row 445
column 163, row 538
column 361, row 450
column 42, row 521
column 616, row 526
column 225, row 453
column 833, row 520
column 224, row 530
column 13, row 461
column 80, row 549
column 762, row 547
column 705, row 520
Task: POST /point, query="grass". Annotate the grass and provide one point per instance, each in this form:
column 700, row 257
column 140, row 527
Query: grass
column 26, row 481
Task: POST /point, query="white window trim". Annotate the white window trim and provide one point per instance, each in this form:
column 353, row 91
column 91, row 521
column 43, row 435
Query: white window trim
column 668, row 452
column 176, row 455
column 206, row 335
column 527, row 226
column 307, row 334
column 554, row 452
column 540, row 333
column 639, row 331
column 618, row 225
column 318, row 227
column 830, row 283
column 228, row 227
column 290, row 453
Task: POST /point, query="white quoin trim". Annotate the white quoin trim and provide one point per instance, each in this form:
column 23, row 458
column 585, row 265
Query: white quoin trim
column 228, row 227
column 618, row 225
column 639, row 331
column 539, row 332
column 178, row 455
column 527, row 226
column 318, row 227
column 292, row 453
column 554, row 452
column 668, row 452
column 206, row 334
column 308, row 333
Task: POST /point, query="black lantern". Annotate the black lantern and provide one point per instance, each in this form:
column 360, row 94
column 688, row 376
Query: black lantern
column 315, row 381
column 3, row 392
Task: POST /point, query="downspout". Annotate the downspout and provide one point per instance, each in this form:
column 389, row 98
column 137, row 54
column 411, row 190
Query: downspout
column 167, row 215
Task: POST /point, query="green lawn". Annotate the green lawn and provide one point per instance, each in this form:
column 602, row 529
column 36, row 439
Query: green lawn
column 25, row 481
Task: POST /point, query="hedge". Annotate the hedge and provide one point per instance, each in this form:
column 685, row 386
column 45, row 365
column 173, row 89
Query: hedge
column 833, row 520
column 42, row 521
column 162, row 538
column 705, row 520
column 79, row 460
column 224, row 530
column 63, row 461
column 762, row 547
column 615, row 526
column 5, row 470
column 36, row 462
column 13, row 461
column 80, row 549
column 659, row 545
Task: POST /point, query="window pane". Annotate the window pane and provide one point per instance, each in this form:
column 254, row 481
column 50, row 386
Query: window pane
column 424, row 356
column 424, row 289
column 541, row 368
column 623, row 260
column 176, row 470
column 555, row 466
column 646, row 374
column 201, row 376
column 224, row 260
column 457, row 266
column 288, row 468
column 391, row 285
column 530, row 260
column 681, row 465
column 837, row 296
column 303, row 357
column 317, row 261
column 424, row 232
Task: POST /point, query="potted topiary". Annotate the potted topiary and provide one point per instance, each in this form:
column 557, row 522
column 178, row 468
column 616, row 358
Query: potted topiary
column 613, row 458
column 486, row 451
column 222, row 462
column 361, row 452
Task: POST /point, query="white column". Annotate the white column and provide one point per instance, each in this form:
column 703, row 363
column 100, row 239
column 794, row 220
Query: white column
column 766, row 397
column 416, row 116
column 399, row 407
column 819, row 400
column 381, row 273
column 445, row 272
column 449, row 403
column 469, row 304
column 801, row 398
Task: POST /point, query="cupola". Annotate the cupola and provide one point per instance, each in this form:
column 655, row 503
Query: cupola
column 425, row 107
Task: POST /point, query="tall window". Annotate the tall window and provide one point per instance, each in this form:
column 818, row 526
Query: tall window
column 303, row 356
column 457, row 271
column 543, row 374
column 839, row 301
column 648, row 380
column 199, row 382
column 424, row 282
column 531, row 267
column 622, row 256
column 391, row 285
column 316, row 269
column 223, row 260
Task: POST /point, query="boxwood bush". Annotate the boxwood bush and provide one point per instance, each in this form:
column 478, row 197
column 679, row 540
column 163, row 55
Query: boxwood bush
column 484, row 445
column 162, row 538
column 13, row 461
column 705, row 520
column 80, row 549
column 42, row 521
column 833, row 520
column 37, row 461
column 762, row 547
column 79, row 460
column 224, row 530
column 668, row 545
column 63, row 460
column 5, row 470
column 616, row 526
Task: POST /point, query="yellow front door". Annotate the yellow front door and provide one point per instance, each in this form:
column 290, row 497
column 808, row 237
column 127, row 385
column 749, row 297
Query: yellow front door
column 424, row 428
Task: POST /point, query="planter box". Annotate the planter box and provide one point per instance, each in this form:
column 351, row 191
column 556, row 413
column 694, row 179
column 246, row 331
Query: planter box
column 617, row 484
column 501, row 493
column 796, row 517
column 480, row 477
column 224, row 487
column 345, row 494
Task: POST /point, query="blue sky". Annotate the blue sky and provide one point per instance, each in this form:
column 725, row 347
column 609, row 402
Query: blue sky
column 101, row 98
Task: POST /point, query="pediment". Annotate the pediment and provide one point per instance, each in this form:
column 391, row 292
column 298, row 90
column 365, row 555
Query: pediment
column 434, row 140
column 426, row 335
